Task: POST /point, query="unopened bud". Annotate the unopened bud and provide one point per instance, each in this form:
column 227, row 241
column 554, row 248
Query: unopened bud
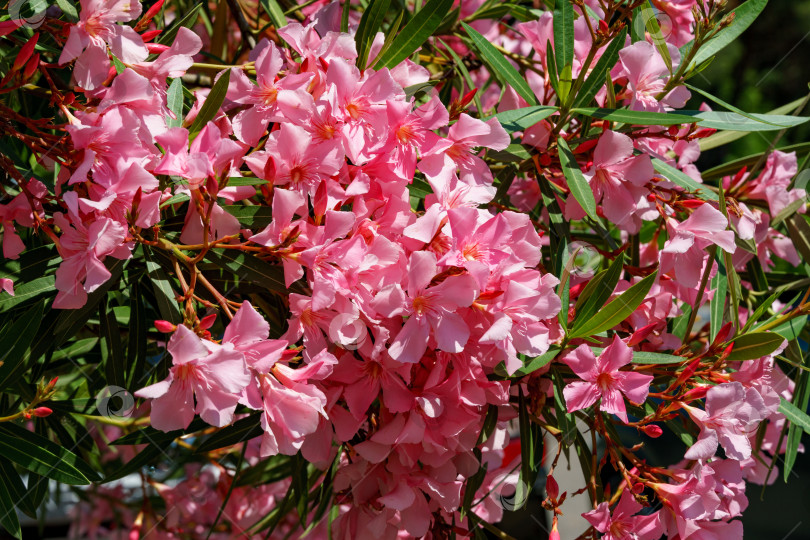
column 25, row 53
column 150, row 35
column 42, row 412
column 31, row 67
column 545, row 160
column 723, row 334
column 208, row 321
column 156, row 48
column 165, row 326
column 652, row 430
column 638, row 487
column 641, row 334
column 552, row 488
column 692, row 203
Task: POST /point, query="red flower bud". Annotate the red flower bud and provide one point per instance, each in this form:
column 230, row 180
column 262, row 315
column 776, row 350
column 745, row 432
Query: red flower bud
column 25, row 53
column 703, row 133
column 41, row 412
column 638, row 487
column 156, row 48
column 545, row 160
column 673, row 130
column 696, row 393
column 641, row 334
column 652, row 430
column 208, row 321
column 150, row 35
column 727, row 351
column 603, row 26
column 165, row 326
column 468, row 97
column 722, row 335
column 692, row 203
column 31, row 67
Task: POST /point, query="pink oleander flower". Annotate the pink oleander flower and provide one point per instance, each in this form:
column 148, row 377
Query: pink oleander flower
column 647, row 76
column 623, row 523
column 212, row 375
column 685, row 251
column 617, row 179
column 430, row 310
column 83, row 248
column 602, row 379
column 97, row 28
column 732, row 413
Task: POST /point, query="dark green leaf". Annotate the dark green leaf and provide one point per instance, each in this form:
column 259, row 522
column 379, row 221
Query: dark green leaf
column 616, row 311
column 520, row 119
column 687, row 182
column 563, row 28
column 795, row 415
column 11, row 491
column 579, row 186
column 174, row 102
column 240, row 431
column 161, row 285
column 273, row 9
column 415, row 33
column 754, row 345
column 370, row 23
column 252, row 269
column 39, row 455
column 115, row 367
column 717, row 306
column 188, row 21
column 251, row 217
column 598, row 290
column 15, row 342
column 791, row 329
column 744, row 15
column 596, row 79
column 212, row 103
column 501, row 68
column 638, row 118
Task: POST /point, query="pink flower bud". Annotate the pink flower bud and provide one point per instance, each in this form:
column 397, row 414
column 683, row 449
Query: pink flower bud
column 208, row 321
column 165, row 326
column 652, row 430
column 41, row 412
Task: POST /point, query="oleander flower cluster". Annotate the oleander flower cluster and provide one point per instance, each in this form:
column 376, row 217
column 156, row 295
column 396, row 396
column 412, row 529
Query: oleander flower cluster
column 358, row 276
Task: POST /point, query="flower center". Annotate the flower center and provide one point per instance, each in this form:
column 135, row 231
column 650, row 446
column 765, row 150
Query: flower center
column 604, row 381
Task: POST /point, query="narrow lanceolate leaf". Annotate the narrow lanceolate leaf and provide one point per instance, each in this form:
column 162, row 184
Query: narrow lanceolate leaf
column 658, row 38
column 717, row 306
column 416, row 32
column 638, row 118
column 50, row 461
column 596, row 79
column 801, row 396
column 8, row 500
column 755, row 345
column 520, row 119
column 252, row 269
column 240, row 431
column 370, row 23
column 532, row 365
column 276, row 13
column 188, row 20
column 795, row 415
column 616, row 311
column 732, row 121
column 174, row 101
column 212, row 103
column 563, row 26
column 646, row 357
column 501, row 68
column 685, row 181
column 114, row 358
column 799, row 232
column 744, row 15
column 762, row 119
column 136, row 347
column 598, row 290
column 16, row 340
column 579, row 186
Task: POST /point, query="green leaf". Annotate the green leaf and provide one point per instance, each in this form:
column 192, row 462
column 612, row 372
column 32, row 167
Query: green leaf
column 520, row 119
column 577, row 183
column 616, row 311
column 801, row 395
column 648, row 13
column 563, row 27
column 174, row 101
column 188, row 21
column 744, row 15
column 596, row 79
column 795, row 415
column 144, row 457
column 212, row 103
column 638, row 118
column 14, row 484
column 251, row 217
column 501, row 68
column 276, row 14
column 415, row 33
column 688, row 183
column 114, row 364
column 598, row 290
column 370, row 23
column 137, row 341
column 246, row 181
column 732, row 121
column 252, row 269
column 799, row 232
column 39, row 455
column 533, row 365
column 240, row 431
column 41, row 287
column 8, row 500
column 791, row 329
column 565, row 421
column 646, row 357
column 161, row 285
column 68, row 9
column 15, row 341
column 175, row 199
column 717, row 306
column 754, row 345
